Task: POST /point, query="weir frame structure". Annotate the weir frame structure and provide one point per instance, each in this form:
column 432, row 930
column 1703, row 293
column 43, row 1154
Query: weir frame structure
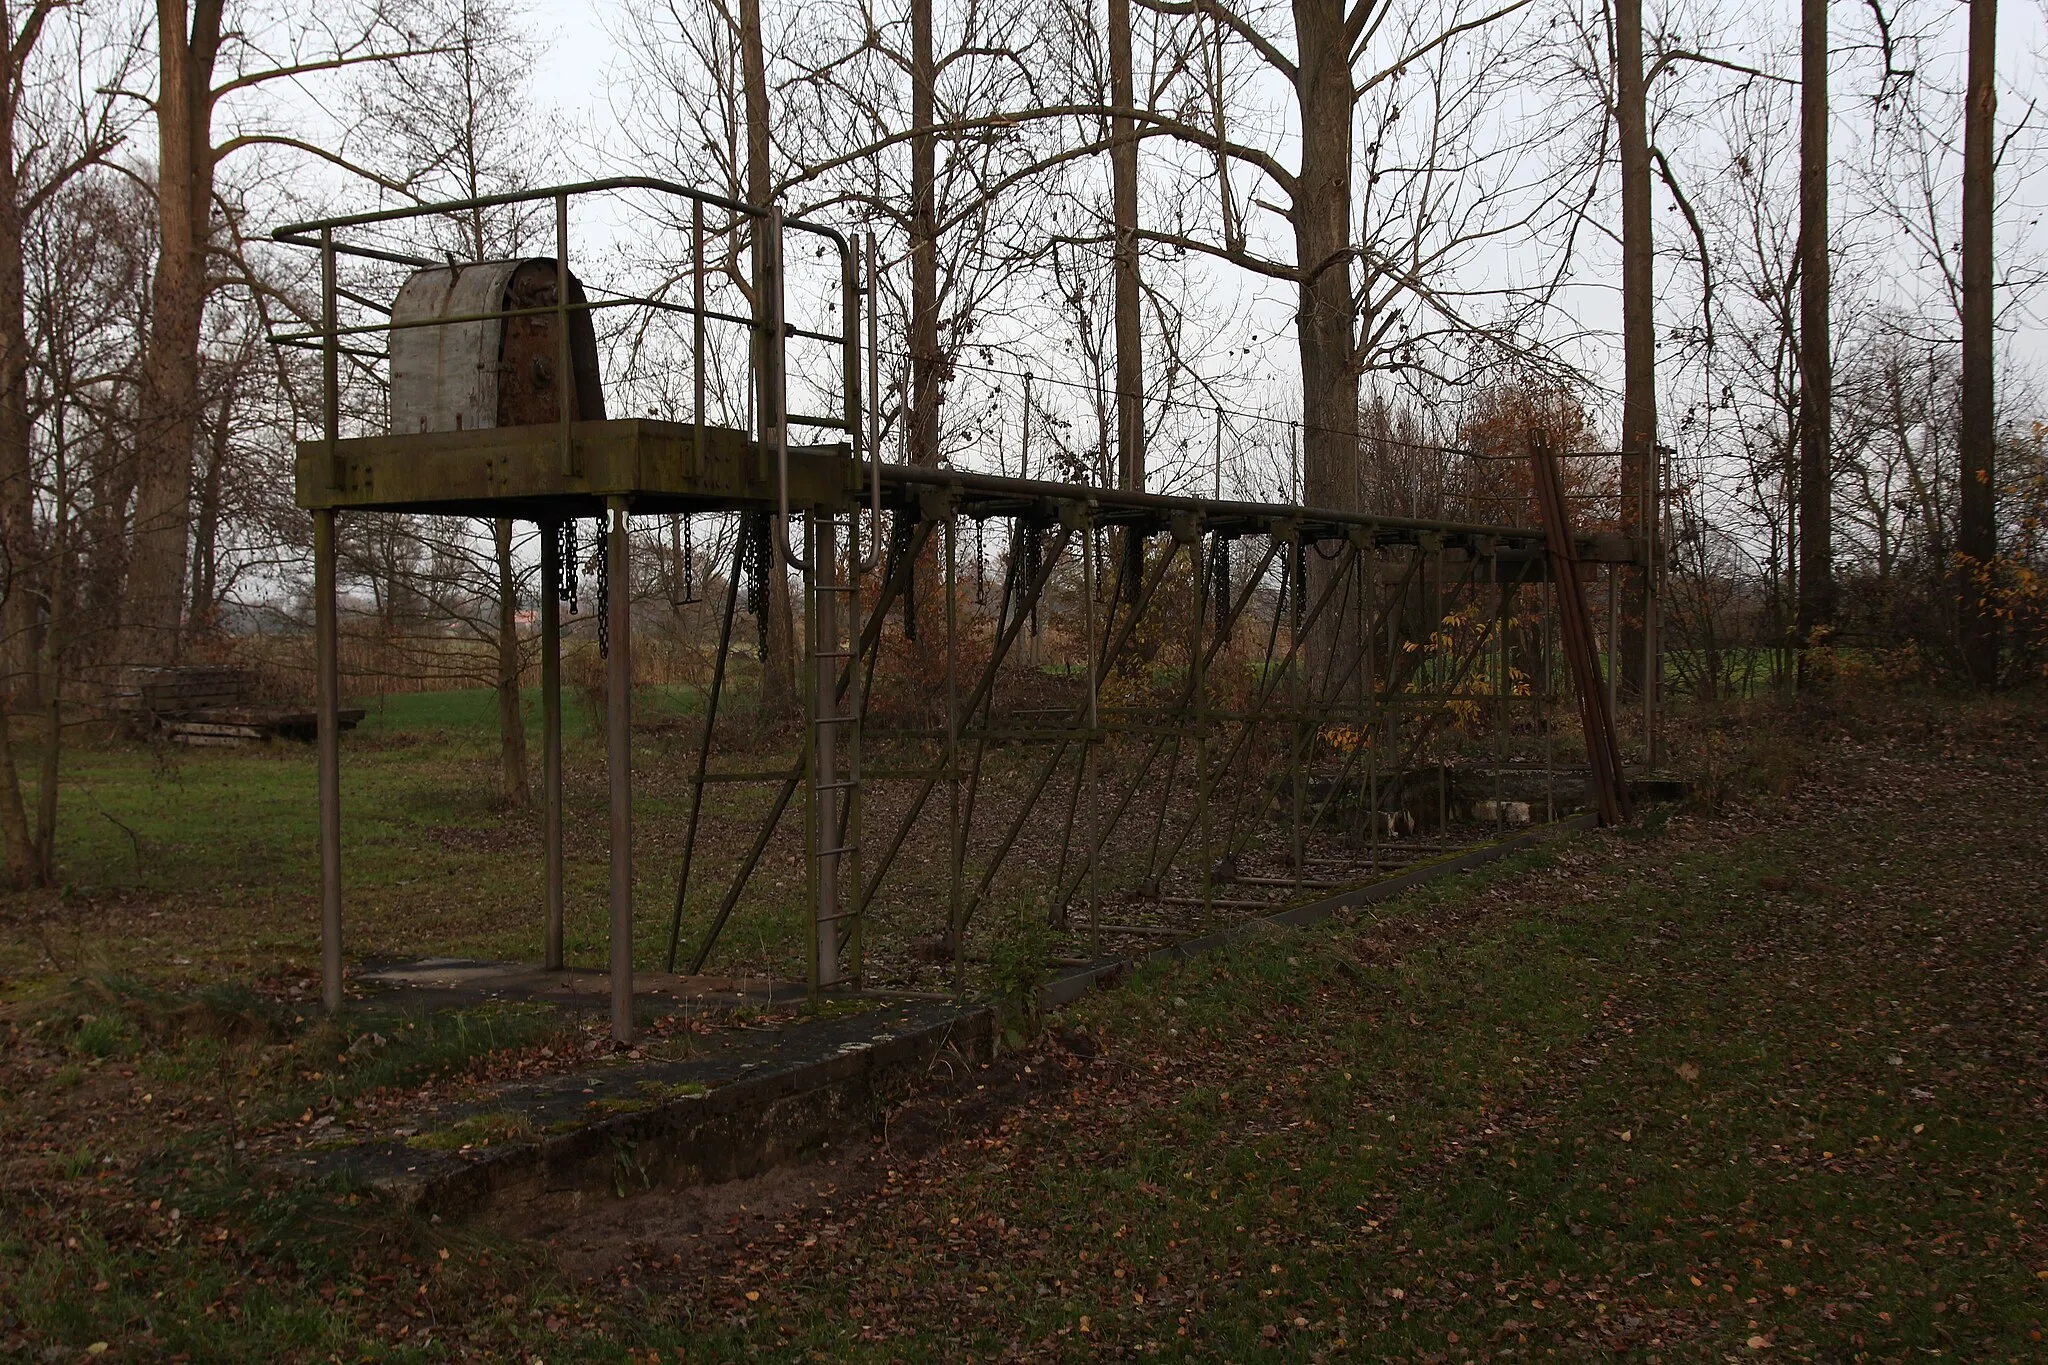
column 1380, row 634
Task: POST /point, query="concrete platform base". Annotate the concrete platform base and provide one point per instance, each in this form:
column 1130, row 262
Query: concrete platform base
column 456, row 983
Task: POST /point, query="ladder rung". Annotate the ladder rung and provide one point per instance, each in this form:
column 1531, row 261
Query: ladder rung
column 834, row 852
column 834, row 919
column 842, row 786
column 835, row 720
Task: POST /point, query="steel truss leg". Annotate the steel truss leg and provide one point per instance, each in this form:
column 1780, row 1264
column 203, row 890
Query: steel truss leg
column 327, row 683
column 551, row 740
column 619, row 759
column 718, row 667
column 969, row 707
column 1085, row 774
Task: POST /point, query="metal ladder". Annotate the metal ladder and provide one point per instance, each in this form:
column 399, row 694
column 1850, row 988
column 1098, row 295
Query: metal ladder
column 833, row 787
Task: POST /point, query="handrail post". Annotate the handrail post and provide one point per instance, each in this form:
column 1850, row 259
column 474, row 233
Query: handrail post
column 872, row 559
column 697, row 334
column 330, row 363
column 777, row 379
column 565, row 387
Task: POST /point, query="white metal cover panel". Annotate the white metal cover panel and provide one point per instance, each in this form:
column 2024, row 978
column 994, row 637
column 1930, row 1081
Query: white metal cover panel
column 445, row 378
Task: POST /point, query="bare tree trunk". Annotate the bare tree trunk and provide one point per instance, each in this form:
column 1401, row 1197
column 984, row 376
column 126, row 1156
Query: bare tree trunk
column 17, row 514
column 24, row 863
column 1123, row 175
column 186, row 48
column 1638, row 309
column 17, row 478
column 1816, row 371
column 1322, row 237
column 511, row 724
column 54, row 644
column 1977, row 525
column 14, row 830
column 925, row 361
column 778, row 666
column 206, row 532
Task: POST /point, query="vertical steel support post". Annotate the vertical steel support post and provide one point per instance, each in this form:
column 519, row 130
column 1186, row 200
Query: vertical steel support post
column 1653, row 603
column 1197, row 662
column 551, row 736
column 1297, row 573
column 1206, row 564
column 1500, row 692
column 807, row 762
column 955, row 854
column 1613, row 640
column 619, row 758
column 1397, row 611
column 860, row 563
column 1543, row 701
column 1437, row 680
column 1091, row 758
column 1369, row 565
column 326, row 646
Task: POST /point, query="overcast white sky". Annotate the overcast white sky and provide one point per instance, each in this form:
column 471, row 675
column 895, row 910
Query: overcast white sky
column 578, row 77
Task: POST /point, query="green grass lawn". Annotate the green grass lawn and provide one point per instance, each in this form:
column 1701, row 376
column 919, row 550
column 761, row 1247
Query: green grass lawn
column 215, row 849
column 1751, row 1089
column 1771, row 1084
column 472, row 712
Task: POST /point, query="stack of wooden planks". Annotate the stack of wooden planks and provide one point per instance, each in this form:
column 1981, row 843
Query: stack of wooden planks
column 211, row 706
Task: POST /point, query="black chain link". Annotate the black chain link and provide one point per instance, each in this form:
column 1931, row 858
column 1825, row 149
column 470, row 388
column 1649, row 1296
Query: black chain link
column 689, row 564
column 1034, row 548
column 758, row 561
column 902, row 529
column 602, row 562
column 1219, row 581
column 565, row 564
column 1299, row 559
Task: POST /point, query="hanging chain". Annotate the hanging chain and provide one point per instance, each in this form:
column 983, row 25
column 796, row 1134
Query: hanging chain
column 565, row 564
column 902, row 527
column 601, row 561
column 980, row 563
column 1299, row 559
column 689, row 565
column 1219, row 581
column 1033, row 550
column 1287, row 588
column 757, row 565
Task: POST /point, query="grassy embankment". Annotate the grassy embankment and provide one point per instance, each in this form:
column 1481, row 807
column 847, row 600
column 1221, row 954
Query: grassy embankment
column 1762, row 1084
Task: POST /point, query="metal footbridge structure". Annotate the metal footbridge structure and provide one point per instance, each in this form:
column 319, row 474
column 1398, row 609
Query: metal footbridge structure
column 1151, row 716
